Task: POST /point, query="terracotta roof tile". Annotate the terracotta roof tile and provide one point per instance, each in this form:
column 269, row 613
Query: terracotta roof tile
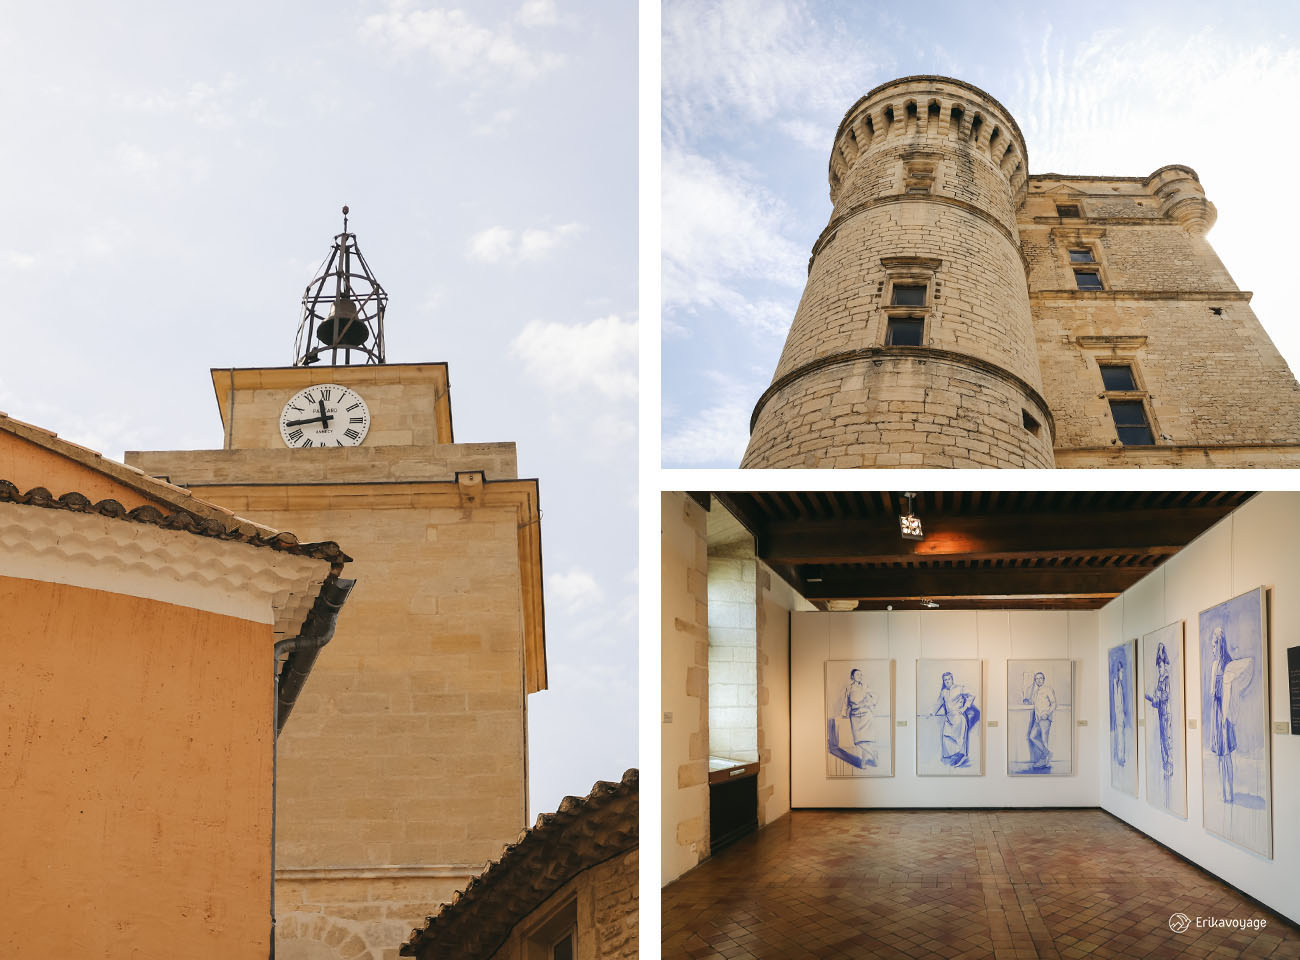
column 221, row 528
column 583, row 832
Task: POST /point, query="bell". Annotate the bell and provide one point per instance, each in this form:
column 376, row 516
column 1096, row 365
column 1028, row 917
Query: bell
column 342, row 328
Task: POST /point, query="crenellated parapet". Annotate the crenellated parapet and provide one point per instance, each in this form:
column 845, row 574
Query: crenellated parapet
column 1182, row 198
column 939, row 111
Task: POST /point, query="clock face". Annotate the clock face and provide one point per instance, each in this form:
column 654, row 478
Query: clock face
column 324, row 415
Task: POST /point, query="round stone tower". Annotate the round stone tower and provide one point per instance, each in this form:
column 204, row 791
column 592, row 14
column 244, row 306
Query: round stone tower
column 913, row 344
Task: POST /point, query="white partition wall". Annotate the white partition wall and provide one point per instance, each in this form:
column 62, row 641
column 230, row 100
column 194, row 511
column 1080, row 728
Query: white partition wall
column 1257, row 545
column 905, row 637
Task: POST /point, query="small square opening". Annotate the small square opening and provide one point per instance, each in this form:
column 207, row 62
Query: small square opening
column 1087, row 280
column 904, row 332
column 1082, row 255
column 1067, row 209
column 1118, row 376
column 908, row 295
column 1029, row 422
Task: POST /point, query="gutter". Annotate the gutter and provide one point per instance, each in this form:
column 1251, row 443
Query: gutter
column 302, row 650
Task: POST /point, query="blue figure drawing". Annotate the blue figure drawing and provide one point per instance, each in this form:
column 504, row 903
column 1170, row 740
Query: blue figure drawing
column 1230, row 680
column 857, row 705
column 1159, row 698
column 1042, row 698
column 1121, row 706
column 957, row 714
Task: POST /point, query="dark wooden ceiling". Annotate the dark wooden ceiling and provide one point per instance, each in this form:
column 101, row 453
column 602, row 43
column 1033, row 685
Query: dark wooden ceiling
column 990, row 549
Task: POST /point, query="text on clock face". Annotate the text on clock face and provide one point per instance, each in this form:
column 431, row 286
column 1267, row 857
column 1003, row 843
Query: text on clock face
column 325, row 415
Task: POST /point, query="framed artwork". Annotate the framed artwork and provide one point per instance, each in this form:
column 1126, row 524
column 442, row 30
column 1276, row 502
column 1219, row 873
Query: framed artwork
column 1120, row 661
column 1166, row 719
column 1236, row 781
column 949, row 718
column 859, row 718
column 1040, row 717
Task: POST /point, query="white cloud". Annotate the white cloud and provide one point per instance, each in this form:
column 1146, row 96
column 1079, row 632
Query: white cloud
column 717, row 435
column 721, row 229
column 18, row 260
column 503, row 245
column 755, row 61
column 454, row 42
column 537, row 13
column 598, row 356
column 574, row 590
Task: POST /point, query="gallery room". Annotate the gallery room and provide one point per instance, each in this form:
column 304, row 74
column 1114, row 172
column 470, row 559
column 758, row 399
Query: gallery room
column 1052, row 724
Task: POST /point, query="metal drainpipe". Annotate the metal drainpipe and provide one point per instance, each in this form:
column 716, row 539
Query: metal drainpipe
column 317, row 630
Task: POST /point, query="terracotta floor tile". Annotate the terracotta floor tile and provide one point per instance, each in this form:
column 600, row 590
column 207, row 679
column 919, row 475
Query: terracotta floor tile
column 983, row 885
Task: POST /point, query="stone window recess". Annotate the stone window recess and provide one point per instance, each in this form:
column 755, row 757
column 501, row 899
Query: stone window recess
column 1088, row 280
column 1082, row 249
column 905, row 332
column 556, row 937
column 910, row 291
column 1128, row 403
column 1067, row 210
column 1082, row 255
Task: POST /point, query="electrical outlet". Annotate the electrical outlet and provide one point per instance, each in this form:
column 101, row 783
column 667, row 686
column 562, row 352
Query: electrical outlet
column 1191, row 723
column 902, row 723
column 1281, row 726
column 993, row 723
column 1083, row 723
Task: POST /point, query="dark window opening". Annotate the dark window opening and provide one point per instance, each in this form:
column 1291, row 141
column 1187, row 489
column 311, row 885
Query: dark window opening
column 1087, row 279
column 1081, row 256
column 1131, row 423
column 564, row 949
column 904, row 332
column 1117, row 376
column 1217, row 311
column 1029, row 422
column 1067, row 209
column 911, row 295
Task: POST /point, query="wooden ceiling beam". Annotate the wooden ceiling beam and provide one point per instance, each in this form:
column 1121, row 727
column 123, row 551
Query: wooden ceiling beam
column 1004, row 536
column 937, row 583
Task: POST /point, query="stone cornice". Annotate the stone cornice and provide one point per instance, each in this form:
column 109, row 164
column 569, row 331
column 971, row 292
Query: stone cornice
column 924, row 354
column 1083, row 295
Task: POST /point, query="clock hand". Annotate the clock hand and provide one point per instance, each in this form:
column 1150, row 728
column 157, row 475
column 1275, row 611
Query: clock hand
column 296, row 423
column 324, row 417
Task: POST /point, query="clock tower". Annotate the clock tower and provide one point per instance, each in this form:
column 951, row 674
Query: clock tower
column 403, row 768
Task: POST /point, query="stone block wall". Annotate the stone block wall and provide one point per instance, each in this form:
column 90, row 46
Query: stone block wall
column 733, row 677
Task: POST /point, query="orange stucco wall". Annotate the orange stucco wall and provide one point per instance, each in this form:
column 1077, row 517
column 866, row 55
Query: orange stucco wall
column 136, row 746
column 26, row 465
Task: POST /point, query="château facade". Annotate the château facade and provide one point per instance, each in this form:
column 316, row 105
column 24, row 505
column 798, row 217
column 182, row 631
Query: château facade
column 961, row 312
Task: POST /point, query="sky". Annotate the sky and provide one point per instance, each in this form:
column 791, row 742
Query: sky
column 174, row 175
column 753, row 91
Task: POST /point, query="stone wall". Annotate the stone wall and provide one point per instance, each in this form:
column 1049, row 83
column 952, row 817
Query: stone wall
column 733, row 677
column 684, row 695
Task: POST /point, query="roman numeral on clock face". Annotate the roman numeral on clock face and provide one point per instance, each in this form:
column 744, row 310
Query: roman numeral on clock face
column 310, row 398
column 354, row 406
column 358, row 420
column 351, row 434
column 295, row 436
column 325, row 394
column 306, row 443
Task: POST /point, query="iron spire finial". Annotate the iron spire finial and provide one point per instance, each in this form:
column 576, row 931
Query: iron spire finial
column 345, row 218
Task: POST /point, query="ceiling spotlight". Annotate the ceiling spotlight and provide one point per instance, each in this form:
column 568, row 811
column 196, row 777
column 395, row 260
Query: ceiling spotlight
column 929, row 604
column 909, row 524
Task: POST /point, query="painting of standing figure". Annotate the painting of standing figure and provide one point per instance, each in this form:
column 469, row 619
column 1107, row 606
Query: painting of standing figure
column 1235, row 773
column 1123, row 717
column 1040, row 717
column 859, row 718
column 1162, row 684
column 949, row 731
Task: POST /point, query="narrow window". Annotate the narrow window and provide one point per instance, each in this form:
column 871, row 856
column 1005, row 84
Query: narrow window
column 563, row 949
column 1087, row 279
column 1082, row 256
column 904, row 332
column 1029, row 422
column 910, row 295
column 1118, row 376
column 1131, row 423
column 1067, row 209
